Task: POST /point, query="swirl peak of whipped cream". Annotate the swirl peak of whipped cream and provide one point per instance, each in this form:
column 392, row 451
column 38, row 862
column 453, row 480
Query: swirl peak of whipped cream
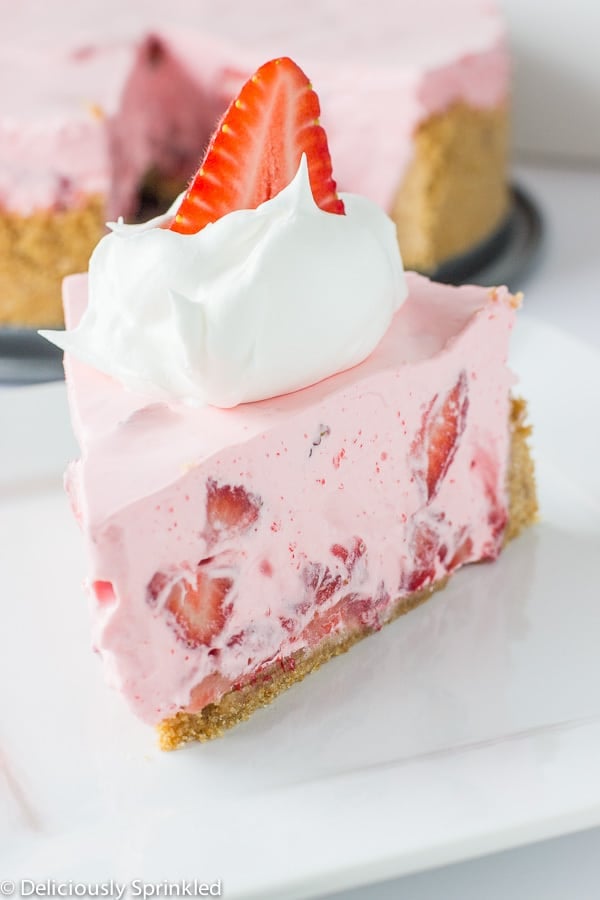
column 262, row 302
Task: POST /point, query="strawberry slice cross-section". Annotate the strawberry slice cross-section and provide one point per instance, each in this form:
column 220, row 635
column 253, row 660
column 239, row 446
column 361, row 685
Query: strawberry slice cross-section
column 437, row 441
column 257, row 147
column 230, row 509
column 199, row 608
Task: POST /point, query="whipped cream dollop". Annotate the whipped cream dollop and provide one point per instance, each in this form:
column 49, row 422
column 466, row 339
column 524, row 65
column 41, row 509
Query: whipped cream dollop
column 260, row 303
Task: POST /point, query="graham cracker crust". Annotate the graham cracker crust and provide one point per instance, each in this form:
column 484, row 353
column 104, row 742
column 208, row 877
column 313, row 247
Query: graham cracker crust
column 455, row 192
column 36, row 252
column 238, row 705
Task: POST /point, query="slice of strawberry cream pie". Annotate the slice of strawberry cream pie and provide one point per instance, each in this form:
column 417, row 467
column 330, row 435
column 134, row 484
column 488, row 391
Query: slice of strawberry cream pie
column 286, row 441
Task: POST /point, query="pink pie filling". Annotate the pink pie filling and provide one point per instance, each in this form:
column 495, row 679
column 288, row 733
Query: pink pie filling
column 100, row 93
column 221, row 541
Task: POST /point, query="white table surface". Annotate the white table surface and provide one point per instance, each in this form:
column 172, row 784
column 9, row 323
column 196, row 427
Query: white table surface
column 563, row 289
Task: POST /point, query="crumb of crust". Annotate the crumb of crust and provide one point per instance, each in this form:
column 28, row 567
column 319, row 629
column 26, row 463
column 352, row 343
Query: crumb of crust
column 514, row 300
column 523, row 507
column 96, row 111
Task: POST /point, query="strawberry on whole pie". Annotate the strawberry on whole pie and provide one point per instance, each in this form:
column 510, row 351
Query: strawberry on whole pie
column 233, row 550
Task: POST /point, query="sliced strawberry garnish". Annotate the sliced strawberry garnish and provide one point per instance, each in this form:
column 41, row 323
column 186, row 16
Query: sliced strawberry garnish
column 359, row 611
column 353, row 612
column 230, row 508
column 324, row 623
column 199, row 609
column 497, row 521
column 463, row 553
column 104, row 592
column 320, row 581
column 156, row 586
column 350, row 555
column 437, row 441
column 425, row 546
column 256, row 149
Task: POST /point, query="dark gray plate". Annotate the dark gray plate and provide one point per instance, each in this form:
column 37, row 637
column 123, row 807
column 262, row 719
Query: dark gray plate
column 27, row 358
column 504, row 258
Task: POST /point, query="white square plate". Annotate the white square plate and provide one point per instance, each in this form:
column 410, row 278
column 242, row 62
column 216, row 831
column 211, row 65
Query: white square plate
column 470, row 725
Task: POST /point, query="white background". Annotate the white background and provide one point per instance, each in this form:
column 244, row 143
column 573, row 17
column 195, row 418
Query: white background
column 556, row 99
